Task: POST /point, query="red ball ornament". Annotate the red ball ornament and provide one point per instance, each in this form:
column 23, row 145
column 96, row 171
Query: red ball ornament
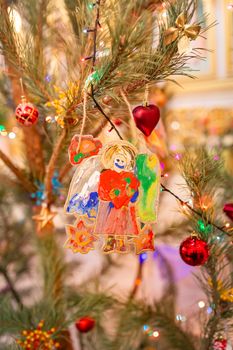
column 194, row 251
column 26, row 114
column 228, row 210
column 146, row 118
column 85, row 324
column 220, row 344
column 117, row 122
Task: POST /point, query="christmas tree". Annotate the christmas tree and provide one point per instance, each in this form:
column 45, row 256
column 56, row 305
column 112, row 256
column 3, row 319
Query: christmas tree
column 72, row 71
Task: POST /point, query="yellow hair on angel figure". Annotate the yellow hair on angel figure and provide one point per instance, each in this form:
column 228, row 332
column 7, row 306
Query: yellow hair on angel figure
column 119, row 156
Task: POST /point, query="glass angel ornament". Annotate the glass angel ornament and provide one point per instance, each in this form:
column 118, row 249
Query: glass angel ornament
column 115, row 194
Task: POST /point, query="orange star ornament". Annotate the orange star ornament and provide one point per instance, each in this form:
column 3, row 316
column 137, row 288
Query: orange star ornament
column 80, row 238
column 144, row 241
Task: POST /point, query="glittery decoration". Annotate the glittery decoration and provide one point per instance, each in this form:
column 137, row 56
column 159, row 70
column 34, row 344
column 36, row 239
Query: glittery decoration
column 38, row 338
column 26, row 114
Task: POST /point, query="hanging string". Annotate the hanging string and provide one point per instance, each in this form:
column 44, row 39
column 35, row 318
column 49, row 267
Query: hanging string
column 146, row 97
column 22, row 89
column 132, row 123
column 84, row 119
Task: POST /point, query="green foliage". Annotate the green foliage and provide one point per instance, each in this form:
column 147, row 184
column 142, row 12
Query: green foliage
column 205, row 179
column 126, row 59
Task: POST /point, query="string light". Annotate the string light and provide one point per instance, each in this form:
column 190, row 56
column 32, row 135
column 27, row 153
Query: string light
column 227, row 225
column 88, row 30
column 142, row 258
column 175, row 125
column 48, row 78
column 156, row 334
column 173, row 147
column 201, row 304
column 146, row 327
column 83, row 59
column 138, row 281
column 4, row 133
column 91, row 6
column 230, row 7
column 150, row 331
column 178, row 156
column 180, row 318
column 12, row 135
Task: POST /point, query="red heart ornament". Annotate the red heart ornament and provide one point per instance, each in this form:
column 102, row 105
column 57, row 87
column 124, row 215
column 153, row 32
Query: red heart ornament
column 146, row 118
column 117, row 188
column 228, row 210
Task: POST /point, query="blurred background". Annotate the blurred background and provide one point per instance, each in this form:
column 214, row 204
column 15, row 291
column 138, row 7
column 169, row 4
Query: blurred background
column 194, row 112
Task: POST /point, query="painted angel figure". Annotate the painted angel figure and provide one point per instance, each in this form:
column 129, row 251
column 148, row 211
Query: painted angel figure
column 115, row 192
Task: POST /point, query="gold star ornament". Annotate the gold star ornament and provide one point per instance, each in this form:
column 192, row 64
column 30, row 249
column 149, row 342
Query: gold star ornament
column 44, row 219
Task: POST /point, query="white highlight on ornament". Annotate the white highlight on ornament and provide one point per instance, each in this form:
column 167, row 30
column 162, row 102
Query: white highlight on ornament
column 201, row 304
column 15, row 18
column 12, row 135
column 230, row 7
column 156, row 334
column 175, row 125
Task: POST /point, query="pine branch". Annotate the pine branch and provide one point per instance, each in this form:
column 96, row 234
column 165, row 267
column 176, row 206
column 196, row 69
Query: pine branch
column 198, row 213
column 106, row 116
column 27, row 185
column 51, row 167
column 137, row 280
column 11, row 286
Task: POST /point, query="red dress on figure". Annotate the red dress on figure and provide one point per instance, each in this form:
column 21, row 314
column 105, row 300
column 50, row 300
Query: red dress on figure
column 116, row 212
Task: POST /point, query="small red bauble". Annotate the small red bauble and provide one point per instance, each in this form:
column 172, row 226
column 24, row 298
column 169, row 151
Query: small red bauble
column 85, row 324
column 146, row 118
column 117, row 122
column 107, row 100
column 26, row 114
column 228, row 210
column 220, row 344
column 194, row 251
